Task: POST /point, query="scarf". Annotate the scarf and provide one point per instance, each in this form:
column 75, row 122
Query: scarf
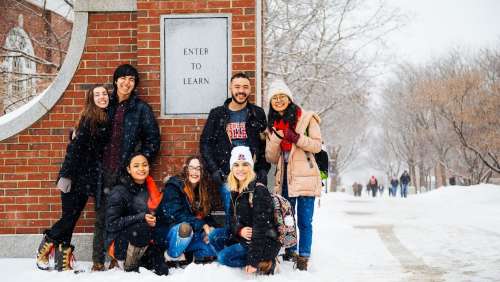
column 285, row 145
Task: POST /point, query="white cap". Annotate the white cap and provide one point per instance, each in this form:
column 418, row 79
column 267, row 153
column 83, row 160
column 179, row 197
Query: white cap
column 277, row 87
column 241, row 153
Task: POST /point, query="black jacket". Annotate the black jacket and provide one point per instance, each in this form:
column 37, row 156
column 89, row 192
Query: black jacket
column 259, row 215
column 215, row 146
column 405, row 179
column 140, row 129
column 175, row 208
column 126, row 204
column 83, row 161
column 394, row 182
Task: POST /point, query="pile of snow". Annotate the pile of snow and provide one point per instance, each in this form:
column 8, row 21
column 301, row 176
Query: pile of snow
column 449, row 234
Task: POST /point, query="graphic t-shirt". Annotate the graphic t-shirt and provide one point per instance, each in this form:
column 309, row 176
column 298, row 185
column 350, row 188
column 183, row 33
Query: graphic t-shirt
column 236, row 129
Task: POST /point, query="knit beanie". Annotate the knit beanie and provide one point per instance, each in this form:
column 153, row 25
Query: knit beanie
column 241, row 153
column 278, row 86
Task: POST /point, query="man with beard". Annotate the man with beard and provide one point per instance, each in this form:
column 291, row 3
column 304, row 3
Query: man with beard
column 236, row 123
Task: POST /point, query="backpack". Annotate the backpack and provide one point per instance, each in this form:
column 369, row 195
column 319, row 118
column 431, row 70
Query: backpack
column 284, row 219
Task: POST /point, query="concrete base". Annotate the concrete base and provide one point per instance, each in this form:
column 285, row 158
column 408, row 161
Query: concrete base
column 26, row 245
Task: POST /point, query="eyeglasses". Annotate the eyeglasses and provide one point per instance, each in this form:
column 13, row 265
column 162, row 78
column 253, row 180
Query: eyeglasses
column 194, row 168
column 277, row 98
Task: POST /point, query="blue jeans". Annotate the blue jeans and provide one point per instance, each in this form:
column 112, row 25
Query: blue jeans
column 394, row 190
column 404, row 190
column 225, row 197
column 234, row 255
column 304, row 210
column 193, row 243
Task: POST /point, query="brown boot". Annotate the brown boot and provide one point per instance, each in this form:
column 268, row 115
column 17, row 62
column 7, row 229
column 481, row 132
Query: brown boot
column 302, row 263
column 113, row 263
column 134, row 255
column 64, row 259
column 45, row 249
column 289, row 256
column 97, row 266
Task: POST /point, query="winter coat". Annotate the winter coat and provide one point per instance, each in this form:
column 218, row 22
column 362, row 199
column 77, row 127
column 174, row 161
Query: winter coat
column 83, row 161
column 140, row 129
column 126, row 204
column 371, row 185
column 174, row 209
column 215, row 145
column 405, row 179
column 303, row 174
column 259, row 215
column 394, row 182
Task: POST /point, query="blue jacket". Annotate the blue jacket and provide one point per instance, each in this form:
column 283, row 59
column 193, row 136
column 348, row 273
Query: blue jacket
column 175, row 208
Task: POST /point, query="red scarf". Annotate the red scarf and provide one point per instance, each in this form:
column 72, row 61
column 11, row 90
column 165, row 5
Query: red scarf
column 154, row 194
column 282, row 125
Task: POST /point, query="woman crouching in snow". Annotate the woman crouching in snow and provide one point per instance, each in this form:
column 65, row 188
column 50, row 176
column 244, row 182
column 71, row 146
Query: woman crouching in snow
column 130, row 219
column 184, row 220
column 253, row 242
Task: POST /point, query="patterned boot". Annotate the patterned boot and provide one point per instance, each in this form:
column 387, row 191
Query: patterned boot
column 45, row 250
column 64, row 259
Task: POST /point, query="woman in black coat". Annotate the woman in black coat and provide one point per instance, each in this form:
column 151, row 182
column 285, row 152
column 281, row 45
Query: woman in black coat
column 183, row 217
column 253, row 242
column 130, row 219
column 79, row 178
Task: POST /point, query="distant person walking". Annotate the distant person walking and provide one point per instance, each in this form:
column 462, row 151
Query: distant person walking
column 394, row 186
column 373, row 186
column 404, row 181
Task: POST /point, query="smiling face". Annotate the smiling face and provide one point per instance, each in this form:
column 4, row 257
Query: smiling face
column 240, row 90
column 280, row 102
column 194, row 172
column 101, row 98
column 241, row 170
column 124, row 87
column 138, row 169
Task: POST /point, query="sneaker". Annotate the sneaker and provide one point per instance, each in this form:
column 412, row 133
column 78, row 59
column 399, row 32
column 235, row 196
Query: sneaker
column 64, row 259
column 45, row 251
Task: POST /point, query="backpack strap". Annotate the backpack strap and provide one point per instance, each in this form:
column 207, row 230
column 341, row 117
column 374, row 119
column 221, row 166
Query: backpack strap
column 250, row 196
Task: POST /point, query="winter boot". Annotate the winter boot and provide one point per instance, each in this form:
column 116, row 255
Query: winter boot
column 205, row 260
column 290, row 256
column 45, row 250
column 301, row 263
column 64, row 259
column 134, row 255
column 97, row 266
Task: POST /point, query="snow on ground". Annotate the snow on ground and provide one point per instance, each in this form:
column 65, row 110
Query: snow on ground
column 449, row 234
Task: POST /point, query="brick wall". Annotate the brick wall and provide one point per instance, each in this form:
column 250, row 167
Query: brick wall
column 29, row 161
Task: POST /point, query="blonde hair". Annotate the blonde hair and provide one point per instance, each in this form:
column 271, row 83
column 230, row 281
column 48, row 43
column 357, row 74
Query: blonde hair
column 234, row 183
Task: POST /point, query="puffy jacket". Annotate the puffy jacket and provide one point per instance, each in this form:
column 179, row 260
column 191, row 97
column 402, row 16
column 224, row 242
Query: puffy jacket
column 215, row 146
column 259, row 215
column 405, row 179
column 140, row 129
column 127, row 204
column 303, row 174
column 175, row 208
column 83, row 161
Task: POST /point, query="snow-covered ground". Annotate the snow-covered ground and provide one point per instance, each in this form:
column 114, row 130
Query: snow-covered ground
column 449, row 234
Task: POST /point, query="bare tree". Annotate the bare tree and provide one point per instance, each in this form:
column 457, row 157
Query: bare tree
column 29, row 61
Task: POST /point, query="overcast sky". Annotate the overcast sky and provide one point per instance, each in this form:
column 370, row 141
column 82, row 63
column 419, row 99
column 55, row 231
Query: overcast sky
column 434, row 27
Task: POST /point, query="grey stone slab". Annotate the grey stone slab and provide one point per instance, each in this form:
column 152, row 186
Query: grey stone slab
column 26, row 245
column 105, row 6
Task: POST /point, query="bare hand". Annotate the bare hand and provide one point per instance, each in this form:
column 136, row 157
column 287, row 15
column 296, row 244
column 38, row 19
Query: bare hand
column 250, row 269
column 150, row 219
column 207, row 230
column 246, row 232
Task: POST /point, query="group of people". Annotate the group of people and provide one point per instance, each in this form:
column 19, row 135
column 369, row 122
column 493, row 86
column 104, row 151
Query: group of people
column 109, row 158
column 372, row 187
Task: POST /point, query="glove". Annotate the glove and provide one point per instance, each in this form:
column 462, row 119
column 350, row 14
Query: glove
column 218, row 177
column 291, row 136
column 64, row 184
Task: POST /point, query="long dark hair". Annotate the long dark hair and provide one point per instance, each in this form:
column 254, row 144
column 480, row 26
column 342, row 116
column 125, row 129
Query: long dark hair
column 91, row 113
column 289, row 115
column 202, row 187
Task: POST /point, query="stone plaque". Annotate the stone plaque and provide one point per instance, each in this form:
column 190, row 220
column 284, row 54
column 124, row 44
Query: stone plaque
column 196, row 62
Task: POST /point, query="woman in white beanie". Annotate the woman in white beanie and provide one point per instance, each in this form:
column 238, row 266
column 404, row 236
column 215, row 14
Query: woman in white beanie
column 253, row 242
column 294, row 137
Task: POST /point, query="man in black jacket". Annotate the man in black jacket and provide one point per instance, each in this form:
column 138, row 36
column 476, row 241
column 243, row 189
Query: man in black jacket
column 133, row 129
column 236, row 123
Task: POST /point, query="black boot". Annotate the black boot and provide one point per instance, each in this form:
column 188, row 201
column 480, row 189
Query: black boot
column 64, row 259
column 45, row 249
